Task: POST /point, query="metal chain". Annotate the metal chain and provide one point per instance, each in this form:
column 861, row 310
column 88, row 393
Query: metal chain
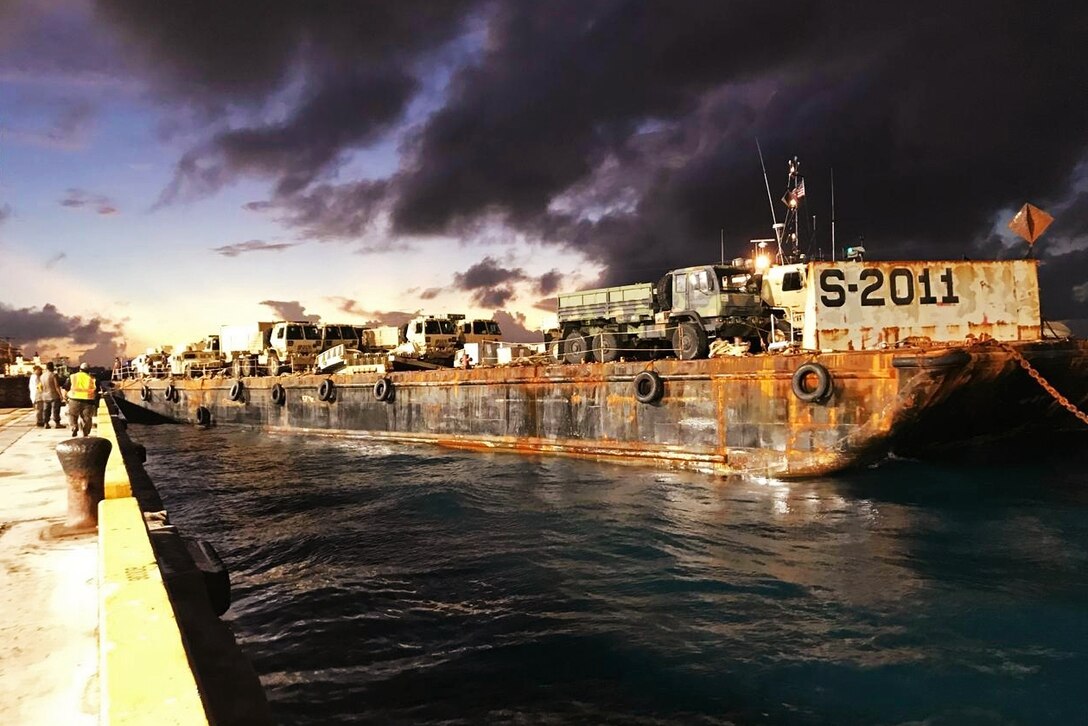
column 1062, row 400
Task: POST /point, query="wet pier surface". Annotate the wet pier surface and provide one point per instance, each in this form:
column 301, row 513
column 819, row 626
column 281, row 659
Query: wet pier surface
column 48, row 596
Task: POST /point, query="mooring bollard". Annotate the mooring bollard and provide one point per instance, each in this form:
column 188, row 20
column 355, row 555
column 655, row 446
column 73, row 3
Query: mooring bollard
column 84, row 463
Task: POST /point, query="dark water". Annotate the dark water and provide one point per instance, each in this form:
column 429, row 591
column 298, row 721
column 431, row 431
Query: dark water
column 388, row 584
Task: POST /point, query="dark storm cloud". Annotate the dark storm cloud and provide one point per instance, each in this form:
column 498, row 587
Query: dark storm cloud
column 513, row 328
column 352, row 109
column 354, row 63
column 47, row 329
column 291, row 310
column 490, row 284
column 626, row 130
column 549, row 282
column 82, row 199
column 329, row 213
column 549, row 304
column 430, row 293
column 373, row 318
column 253, row 245
column 931, row 120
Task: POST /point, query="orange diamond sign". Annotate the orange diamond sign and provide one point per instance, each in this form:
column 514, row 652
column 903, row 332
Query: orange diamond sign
column 1030, row 223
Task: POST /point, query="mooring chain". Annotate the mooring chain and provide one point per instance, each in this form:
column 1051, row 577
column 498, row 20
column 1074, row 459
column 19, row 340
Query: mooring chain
column 1062, row 400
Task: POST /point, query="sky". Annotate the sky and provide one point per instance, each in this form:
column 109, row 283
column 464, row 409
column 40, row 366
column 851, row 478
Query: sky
column 168, row 168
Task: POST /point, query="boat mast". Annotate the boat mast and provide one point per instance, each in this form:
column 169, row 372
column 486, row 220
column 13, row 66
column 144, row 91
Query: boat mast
column 795, row 192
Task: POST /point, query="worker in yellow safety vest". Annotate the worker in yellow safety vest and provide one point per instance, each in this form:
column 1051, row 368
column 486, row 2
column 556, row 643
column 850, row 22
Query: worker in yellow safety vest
column 82, row 391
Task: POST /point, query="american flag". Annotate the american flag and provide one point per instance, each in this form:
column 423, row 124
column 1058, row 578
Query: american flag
column 793, row 196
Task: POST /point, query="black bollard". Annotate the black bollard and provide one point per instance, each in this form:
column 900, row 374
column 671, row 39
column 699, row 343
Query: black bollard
column 84, row 463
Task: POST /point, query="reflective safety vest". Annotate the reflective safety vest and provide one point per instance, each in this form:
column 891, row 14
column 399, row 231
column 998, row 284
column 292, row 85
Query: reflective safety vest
column 82, row 386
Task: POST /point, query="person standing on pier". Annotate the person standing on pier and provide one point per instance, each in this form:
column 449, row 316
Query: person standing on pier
column 36, row 394
column 81, row 400
column 51, row 396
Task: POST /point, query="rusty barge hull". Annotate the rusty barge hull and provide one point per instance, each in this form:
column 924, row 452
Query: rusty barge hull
column 723, row 415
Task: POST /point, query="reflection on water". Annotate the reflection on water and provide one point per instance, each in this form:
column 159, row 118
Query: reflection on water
column 382, row 583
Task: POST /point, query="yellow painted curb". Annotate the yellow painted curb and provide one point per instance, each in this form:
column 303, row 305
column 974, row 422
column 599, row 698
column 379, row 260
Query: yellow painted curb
column 144, row 671
column 117, row 484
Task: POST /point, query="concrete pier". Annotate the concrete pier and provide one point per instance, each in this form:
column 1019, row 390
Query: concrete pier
column 114, row 625
column 48, row 587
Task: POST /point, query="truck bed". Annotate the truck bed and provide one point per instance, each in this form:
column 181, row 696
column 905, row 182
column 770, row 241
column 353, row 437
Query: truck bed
column 627, row 303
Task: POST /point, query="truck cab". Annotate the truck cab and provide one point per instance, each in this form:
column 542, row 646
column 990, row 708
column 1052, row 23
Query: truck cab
column 429, row 337
column 293, row 345
column 711, row 301
column 478, row 331
column 333, row 334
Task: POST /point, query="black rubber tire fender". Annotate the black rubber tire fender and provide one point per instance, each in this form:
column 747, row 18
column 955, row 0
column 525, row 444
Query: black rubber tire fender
column 203, row 416
column 145, row 393
column 383, row 389
column 327, row 390
column 279, row 394
column 170, row 394
column 818, row 393
column 236, row 391
column 649, row 387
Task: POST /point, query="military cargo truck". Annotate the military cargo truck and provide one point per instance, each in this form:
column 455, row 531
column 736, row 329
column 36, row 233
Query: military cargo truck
column 682, row 314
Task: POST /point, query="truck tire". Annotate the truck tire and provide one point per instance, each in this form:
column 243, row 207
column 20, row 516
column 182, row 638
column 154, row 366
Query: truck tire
column 273, row 363
column 689, row 341
column 605, row 347
column 576, row 348
column 237, row 367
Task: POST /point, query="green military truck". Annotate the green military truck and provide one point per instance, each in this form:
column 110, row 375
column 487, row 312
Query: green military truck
column 681, row 314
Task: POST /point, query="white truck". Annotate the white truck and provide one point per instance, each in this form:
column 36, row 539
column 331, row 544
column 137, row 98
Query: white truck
column 154, row 362
column 427, row 338
column 251, row 348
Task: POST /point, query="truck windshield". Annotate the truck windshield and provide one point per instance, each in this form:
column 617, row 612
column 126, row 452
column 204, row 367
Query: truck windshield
column 337, row 332
column 302, row 332
column 439, row 327
column 493, row 328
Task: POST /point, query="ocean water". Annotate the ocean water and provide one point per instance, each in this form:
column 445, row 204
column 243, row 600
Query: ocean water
column 393, row 584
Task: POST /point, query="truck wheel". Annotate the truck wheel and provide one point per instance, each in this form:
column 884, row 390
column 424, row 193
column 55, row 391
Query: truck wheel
column 576, row 348
column 605, row 347
column 237, row 367
column 689, row 341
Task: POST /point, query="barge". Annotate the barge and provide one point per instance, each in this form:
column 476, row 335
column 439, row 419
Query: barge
column 855, row 361
column 784, row 415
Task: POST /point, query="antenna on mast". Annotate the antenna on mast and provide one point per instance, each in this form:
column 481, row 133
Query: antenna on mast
column 832, row 214
column 778, row 228
column 723, row 245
